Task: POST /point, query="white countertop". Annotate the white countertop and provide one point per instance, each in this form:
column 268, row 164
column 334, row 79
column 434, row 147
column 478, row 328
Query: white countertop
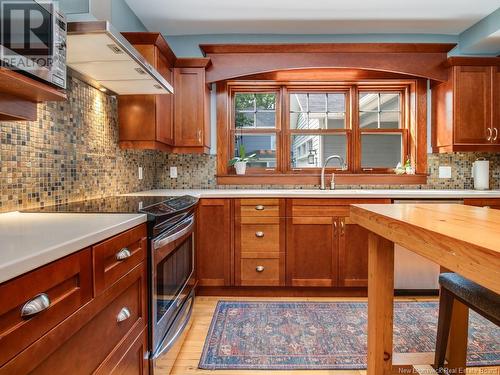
column 31, row 240
column 298, row 193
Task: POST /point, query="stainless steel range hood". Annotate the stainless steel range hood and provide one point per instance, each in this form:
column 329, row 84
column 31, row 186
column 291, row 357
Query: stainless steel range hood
column 104, row 58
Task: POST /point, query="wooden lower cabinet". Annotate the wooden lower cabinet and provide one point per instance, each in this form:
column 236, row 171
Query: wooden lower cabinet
column 214, row 243
column 353, row 254
column 261, row 242
column 133, row 362
column 311, row 251
column 68, row 285
column 489, row 203
column 104, row 334
column 259, row 234
column 324, row 249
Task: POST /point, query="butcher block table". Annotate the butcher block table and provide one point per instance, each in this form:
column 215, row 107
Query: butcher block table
column 462, row 239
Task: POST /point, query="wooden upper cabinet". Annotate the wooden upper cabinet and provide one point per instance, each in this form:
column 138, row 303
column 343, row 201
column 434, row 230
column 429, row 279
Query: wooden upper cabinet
column 465, row 108
column 214, row 242
column 496, row 104
column 472, row 104
column 191, row 107
column 146, row 121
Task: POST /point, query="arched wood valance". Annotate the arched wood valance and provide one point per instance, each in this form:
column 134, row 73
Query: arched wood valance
column 418, row 60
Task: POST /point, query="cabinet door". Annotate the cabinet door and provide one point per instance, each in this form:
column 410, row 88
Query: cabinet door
column 353, row 254
column 214, row 242
column 472, row 105
column 486, row 203
column 189, row 102
column 496, row 104
column 311, row 258
column 164, row 104
column 133, row 362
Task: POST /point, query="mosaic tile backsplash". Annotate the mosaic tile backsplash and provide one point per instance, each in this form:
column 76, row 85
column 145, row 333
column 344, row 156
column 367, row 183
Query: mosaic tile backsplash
column 71, row 153
column 198, row 172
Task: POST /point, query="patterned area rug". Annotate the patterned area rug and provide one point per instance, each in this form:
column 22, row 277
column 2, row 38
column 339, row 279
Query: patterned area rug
column 310, row 335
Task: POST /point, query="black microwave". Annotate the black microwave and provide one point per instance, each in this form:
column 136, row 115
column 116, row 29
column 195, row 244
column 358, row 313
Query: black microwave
column 33, row 40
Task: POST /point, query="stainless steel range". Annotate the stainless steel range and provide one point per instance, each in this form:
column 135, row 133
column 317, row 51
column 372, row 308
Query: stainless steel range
column 172, row 278
column 171, row 223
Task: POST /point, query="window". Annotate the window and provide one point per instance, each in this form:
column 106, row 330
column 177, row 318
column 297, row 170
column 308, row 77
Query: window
column 317, row 128
column 255, row 128
column 381, row 127
column 293, row 128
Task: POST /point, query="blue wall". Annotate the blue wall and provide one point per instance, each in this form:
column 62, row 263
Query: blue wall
column 479, row 38
column 123, row 18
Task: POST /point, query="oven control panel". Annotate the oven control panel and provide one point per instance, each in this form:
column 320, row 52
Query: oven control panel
column 171, row 206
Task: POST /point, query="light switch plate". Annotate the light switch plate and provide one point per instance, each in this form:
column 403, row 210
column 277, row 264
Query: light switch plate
column 140, row 173
column 444, row 172
column 173, row 172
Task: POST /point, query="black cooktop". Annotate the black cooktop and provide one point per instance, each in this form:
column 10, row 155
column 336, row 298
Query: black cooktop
column 153, row 206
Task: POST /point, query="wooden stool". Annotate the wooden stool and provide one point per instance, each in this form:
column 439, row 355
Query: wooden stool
column 483, row 301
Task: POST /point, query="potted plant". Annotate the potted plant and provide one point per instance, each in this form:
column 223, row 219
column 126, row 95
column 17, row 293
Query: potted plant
column 240, row 162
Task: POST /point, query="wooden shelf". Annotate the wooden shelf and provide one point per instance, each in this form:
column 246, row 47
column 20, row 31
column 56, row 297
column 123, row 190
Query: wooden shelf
column 23, row 87
column 19, row 95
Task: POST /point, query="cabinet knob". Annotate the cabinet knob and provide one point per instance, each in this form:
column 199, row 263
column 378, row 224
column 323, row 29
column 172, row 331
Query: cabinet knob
column 123, row 254
column 35, row 305
column 259, row 268
column 123, row 315
column 259, row 207
column 259, row 234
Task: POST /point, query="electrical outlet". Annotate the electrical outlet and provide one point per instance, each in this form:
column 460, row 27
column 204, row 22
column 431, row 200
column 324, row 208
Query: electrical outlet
column 140, row 173
column 173, row 172
column 444, row 172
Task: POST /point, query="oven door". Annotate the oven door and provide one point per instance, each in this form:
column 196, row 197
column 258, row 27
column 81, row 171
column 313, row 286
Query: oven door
column 173, row 279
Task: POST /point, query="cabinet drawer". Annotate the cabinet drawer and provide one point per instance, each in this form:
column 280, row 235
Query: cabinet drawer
column 260, row 238
column 133, row 362
column 116, row 256
column 68, row 285
column 269, row 274
column 94, row 341
column 260, row 207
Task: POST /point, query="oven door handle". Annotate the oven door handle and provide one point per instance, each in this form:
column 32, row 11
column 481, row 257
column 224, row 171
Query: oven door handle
column 168, row 342
column 180, row 230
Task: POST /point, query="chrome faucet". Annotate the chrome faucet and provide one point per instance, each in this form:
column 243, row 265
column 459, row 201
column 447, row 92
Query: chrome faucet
column 342, row 165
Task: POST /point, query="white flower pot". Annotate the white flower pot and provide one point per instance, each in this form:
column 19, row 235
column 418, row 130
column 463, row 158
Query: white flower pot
column 240, row 167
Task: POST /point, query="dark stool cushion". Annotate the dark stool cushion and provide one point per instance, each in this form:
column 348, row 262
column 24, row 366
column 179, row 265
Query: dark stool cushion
column 476, row 296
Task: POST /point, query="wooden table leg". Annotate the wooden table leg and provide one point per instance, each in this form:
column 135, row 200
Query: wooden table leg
column 457, row 341
column 380, row 304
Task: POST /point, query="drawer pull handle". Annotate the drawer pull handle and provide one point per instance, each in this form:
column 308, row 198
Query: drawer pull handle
column 123, row 254
column 259, row 268
column 259, row 207
column 123, row 315
column 35, row 305
column 259, row 234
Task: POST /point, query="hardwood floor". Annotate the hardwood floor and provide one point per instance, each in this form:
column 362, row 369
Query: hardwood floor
column 189, row 356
